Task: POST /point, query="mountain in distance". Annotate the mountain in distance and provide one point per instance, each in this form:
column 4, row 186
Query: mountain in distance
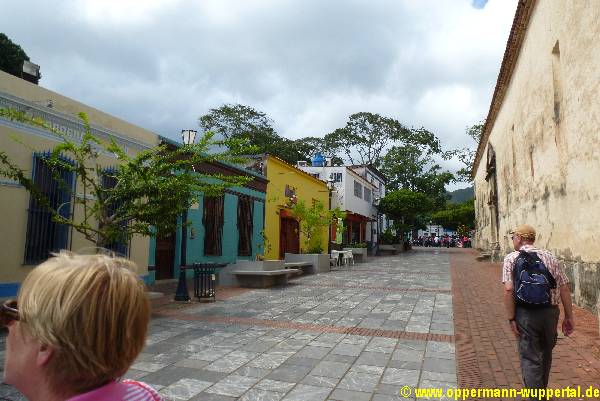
column 462, row 195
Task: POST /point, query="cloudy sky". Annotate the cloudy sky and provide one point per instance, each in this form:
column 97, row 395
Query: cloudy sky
column 308, row 64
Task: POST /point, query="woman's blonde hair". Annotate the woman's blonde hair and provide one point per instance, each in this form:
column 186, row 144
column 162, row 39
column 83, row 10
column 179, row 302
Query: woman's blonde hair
column 92, row 310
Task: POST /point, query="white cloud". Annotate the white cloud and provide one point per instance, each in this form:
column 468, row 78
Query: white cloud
column 308, row 64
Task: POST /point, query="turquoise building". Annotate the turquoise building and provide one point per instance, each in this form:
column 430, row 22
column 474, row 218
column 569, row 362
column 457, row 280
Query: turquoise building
column 221, row 230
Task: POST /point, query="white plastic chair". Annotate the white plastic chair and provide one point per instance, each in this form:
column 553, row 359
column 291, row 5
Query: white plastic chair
column 335, row 258
column 348, row 257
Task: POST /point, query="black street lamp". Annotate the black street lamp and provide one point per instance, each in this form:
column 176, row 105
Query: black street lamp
column 188, row 136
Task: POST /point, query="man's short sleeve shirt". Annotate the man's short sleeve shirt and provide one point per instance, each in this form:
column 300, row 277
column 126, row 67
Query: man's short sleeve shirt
column 551, row 264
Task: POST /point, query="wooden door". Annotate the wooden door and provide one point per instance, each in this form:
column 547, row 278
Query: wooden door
column 289, row 240
column 165, row 256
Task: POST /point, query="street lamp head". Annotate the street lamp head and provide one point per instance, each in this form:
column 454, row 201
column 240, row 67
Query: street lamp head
column 188, row 136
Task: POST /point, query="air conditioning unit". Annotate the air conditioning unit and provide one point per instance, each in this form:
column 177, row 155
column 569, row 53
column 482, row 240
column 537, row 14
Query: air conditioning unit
column 301, row 163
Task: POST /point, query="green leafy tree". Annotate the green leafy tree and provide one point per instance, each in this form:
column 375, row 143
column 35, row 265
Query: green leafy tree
column 455, row 215
column 405, row 207
column 365, row 138
column 412, row 166
column 11, row 56
column 313, row 221
column 152, row 188
column 236, row 121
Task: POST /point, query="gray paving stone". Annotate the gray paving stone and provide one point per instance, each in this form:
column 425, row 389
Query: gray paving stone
column 275, row 385
column 373, row 358
column 347, row 349
column 261, row 395
column 192, row 363
column 400, row 377
column 439, row 365
column 347, row 395
column 184, row 389
column 358, row 381
column 330, row 369
column 303, row 392
column 232, row 385
column 290, row 373
column 322, row 381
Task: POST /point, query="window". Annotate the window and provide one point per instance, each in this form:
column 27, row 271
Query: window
column 367, row 194
column 212, row 219
column 121, row 246
column 336, row 177
column 357, row 189
column 245, row 212
column 43, row 234
column 317, row 175
column 289, row 191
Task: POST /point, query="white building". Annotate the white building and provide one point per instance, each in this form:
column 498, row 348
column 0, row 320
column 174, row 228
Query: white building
column 376, row 178
column 352, row 193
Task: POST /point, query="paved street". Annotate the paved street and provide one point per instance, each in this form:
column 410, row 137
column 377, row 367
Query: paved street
column 351, row 334
column 357, row 334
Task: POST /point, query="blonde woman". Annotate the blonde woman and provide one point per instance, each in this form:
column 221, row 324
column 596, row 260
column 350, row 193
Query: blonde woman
column 78, row 324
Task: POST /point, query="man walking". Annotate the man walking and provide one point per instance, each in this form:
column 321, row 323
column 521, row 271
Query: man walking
column 532, row 304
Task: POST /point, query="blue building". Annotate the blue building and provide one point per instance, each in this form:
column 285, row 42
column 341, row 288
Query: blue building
column 221, row 230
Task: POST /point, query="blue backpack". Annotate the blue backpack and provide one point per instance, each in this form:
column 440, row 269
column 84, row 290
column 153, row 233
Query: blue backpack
column 532, row 281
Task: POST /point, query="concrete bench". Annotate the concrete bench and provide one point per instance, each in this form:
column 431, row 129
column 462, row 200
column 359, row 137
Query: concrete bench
column 387, row 249
column 305, row 267
column 263, row 278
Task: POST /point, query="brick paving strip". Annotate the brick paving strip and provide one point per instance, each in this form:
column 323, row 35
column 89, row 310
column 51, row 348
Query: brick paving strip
column 366, row 287
column 319, row 328
column 486, row 350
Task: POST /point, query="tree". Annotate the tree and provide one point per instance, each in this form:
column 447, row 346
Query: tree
column 411, row 165
column 455, row 215
column 365, row 138
column 151, row 189
column 313, row 221
column 11, row 56
column 405, row 207
column 236, row 121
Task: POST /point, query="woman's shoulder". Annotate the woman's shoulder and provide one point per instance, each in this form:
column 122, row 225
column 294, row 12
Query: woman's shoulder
column 136, row 390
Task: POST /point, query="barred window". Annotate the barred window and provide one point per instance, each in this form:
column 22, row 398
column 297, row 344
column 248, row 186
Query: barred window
column 212, row 219
column 245, row 213
column 357, row 189
column 109, row 181
column 44, row 235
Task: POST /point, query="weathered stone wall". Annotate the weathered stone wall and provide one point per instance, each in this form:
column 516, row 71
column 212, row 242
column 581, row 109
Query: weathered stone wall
column 547, row 142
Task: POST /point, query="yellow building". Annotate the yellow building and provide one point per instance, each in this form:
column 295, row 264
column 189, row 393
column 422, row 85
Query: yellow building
column 27, row 235
column 289, row 184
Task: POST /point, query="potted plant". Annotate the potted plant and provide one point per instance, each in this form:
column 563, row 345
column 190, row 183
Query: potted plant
column 314, row 222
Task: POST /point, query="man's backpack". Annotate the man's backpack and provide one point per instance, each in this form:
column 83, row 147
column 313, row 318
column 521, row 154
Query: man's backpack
column 532, row 281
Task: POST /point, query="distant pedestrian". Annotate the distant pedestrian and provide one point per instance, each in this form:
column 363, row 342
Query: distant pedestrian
column 77, row 326
column 534, row 283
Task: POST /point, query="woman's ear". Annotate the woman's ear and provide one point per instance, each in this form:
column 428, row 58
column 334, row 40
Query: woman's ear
column 44, row 354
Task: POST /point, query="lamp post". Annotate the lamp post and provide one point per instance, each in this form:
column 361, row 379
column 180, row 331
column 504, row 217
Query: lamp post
column 188, row 136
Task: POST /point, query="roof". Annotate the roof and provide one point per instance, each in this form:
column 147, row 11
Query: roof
column 511, row 55
column 372, row 168
column 281, row 161
column 230, row 166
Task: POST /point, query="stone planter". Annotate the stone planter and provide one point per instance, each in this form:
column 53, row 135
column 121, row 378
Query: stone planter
column 225, row 277
column 399, row 247
column 320, row 261
column 359, row 254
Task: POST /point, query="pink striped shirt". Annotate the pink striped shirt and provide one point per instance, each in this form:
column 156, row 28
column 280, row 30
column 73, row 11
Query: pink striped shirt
column 551, row 264
column 125, row 390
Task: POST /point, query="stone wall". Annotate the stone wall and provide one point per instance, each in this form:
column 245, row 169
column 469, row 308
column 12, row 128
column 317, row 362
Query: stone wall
column 546, row 141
